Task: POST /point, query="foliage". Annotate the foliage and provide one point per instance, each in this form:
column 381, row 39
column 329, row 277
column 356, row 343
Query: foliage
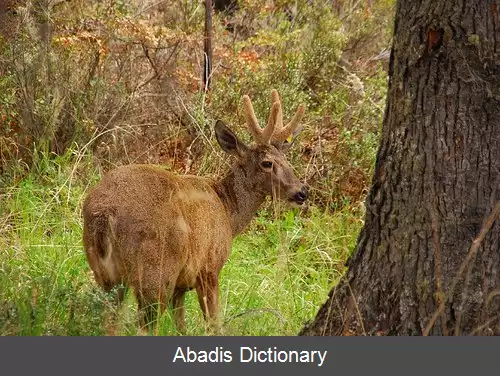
column 88, row 85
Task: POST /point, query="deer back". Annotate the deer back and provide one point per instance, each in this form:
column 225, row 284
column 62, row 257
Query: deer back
column 147, row 216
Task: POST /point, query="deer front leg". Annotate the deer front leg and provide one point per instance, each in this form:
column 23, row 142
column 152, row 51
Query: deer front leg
column 207, row 288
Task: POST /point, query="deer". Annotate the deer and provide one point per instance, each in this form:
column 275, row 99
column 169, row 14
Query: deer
column 164, row 234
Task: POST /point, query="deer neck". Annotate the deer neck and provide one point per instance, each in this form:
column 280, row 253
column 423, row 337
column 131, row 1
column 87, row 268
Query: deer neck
column 240, row 196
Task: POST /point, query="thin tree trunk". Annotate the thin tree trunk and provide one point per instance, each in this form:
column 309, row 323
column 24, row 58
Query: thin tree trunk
column 207, row 71
column 436, row 182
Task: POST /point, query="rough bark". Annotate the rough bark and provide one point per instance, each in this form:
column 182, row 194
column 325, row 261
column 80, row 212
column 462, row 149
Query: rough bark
column 437, row 178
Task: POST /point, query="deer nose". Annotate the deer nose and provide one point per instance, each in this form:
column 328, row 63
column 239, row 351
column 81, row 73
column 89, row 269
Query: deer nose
column 301, row 195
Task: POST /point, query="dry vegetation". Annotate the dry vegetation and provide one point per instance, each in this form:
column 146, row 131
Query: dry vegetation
column 89, row 85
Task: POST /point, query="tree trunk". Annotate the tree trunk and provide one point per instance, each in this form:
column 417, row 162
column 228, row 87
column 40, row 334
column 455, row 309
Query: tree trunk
column 425, row 241
column 207, row 46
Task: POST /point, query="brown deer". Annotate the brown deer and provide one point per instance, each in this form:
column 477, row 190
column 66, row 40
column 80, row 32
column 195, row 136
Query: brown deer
column 165, row 234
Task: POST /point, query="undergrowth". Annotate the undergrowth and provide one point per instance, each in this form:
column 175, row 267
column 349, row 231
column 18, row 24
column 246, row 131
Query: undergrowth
column 279, row 272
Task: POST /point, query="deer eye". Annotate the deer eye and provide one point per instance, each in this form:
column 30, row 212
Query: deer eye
column 267, row 164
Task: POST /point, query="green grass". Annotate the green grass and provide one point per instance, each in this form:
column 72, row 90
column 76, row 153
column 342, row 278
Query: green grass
column 279, row 273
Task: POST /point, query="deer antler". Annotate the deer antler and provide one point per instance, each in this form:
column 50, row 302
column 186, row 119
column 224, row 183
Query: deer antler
column 274, row 129
column 282, row 133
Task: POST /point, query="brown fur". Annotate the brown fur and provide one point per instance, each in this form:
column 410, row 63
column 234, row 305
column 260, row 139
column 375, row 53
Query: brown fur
column 163, row 234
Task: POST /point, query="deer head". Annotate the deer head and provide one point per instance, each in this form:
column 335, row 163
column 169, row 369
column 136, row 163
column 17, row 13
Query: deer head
column 264, row 163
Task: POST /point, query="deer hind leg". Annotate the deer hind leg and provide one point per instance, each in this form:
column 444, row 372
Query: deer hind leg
column 112, row 316
column 179, row 309
column 151, row 304
column 121, row 292
column 152, row 293
column 207, row 288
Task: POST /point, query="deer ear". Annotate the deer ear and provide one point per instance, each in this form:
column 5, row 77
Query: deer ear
column 228, row 141
column 283, row 146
